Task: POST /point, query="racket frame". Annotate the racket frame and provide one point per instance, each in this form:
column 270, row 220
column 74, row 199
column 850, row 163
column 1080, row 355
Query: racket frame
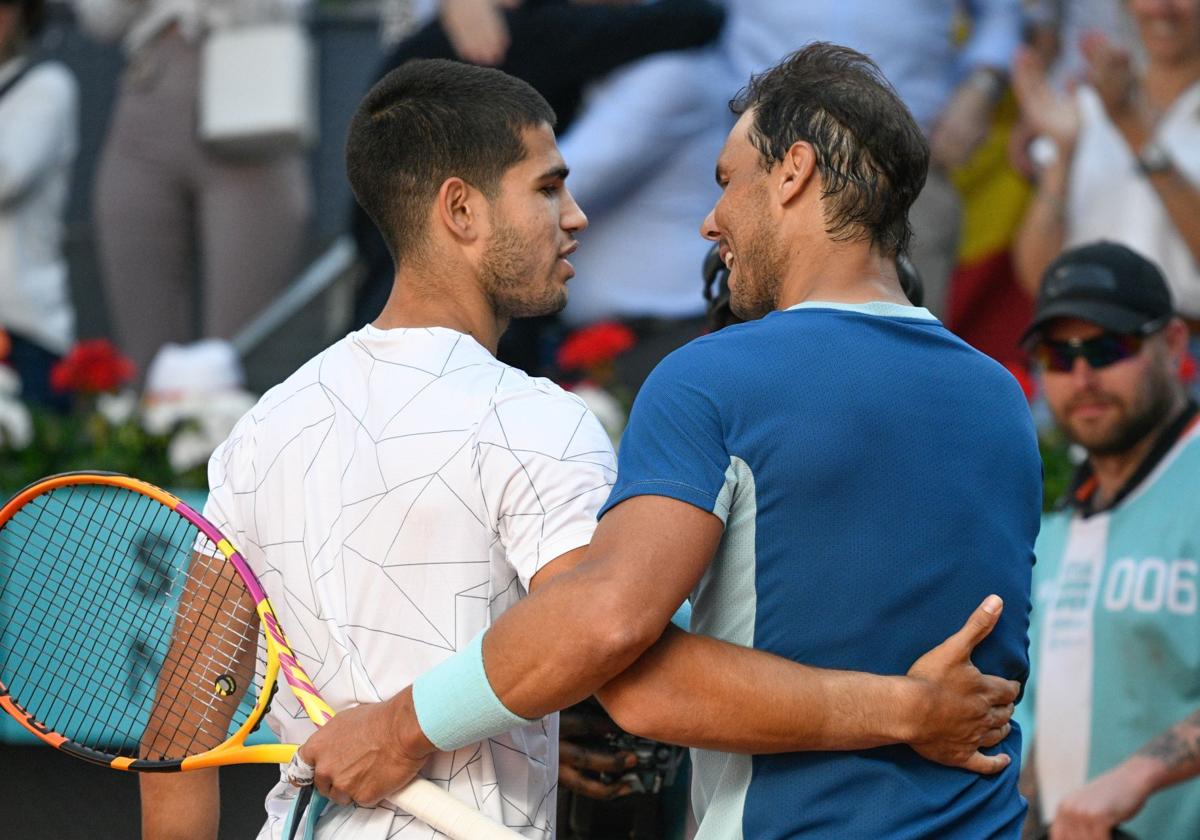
column 280, row 657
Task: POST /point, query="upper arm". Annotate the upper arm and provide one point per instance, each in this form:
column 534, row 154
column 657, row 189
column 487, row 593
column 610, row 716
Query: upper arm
column 44, row 136
column 665, row 517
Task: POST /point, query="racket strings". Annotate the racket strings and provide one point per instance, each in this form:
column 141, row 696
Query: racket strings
column 106, row 616
column 90, row 611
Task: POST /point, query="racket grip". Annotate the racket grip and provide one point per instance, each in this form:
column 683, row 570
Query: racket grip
column 438, row 809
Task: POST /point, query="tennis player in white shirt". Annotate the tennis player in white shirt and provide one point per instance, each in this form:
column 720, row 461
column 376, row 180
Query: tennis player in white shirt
column 402, row 489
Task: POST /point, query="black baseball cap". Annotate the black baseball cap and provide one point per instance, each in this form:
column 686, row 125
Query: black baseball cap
column 1108, row 284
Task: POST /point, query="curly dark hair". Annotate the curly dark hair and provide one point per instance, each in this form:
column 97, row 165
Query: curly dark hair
column 870, row 153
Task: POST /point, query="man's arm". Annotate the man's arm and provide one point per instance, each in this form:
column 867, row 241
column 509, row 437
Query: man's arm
column 181, row 806
column 647, row 554
column 1108, row 800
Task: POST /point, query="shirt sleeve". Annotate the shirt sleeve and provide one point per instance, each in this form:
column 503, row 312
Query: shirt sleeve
column 545, row 466
column 674, row 444
column 42, row 133
column 995, row 34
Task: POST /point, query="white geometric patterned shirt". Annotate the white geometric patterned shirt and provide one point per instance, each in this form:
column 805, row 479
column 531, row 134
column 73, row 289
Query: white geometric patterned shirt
column 395, row 495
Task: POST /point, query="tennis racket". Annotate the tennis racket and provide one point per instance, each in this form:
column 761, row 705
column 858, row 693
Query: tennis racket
column 134, row 635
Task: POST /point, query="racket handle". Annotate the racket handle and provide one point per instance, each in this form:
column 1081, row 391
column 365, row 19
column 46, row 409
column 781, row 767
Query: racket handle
column 438, row 809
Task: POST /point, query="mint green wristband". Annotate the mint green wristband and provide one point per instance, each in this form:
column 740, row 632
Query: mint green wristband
column 455, row 704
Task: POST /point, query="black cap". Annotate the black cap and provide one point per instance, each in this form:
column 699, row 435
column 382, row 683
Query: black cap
column 1108, row 284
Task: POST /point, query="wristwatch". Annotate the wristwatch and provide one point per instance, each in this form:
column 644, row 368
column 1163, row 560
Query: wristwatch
column 1153, row 159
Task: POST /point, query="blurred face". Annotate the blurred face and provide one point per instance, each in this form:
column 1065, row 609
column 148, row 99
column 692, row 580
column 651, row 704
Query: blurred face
column 534, row 222
column 1109, row 410
column 1169, row 29
column 744, row 228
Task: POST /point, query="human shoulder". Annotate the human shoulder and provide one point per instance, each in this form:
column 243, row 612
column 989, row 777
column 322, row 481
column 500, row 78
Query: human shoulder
column 534, row 414
column 49, row 81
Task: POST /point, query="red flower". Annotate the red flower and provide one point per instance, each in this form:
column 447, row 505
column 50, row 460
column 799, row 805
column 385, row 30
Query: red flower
column 1025, row 380
column 596, row 345
column 92, row 367
column 1187, row 369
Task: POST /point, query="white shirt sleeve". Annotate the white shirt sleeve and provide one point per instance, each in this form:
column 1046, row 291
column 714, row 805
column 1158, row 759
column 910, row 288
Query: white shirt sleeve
column 41, row 134
column 545, row 467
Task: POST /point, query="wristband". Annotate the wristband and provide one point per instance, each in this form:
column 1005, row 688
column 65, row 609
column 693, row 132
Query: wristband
column 455, row 704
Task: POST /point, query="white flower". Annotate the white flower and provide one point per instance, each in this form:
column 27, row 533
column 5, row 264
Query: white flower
column 605, row 406
column 209, row 419
column 16, row 426
column 188, row 449
column 117, row 408
column 10, row 383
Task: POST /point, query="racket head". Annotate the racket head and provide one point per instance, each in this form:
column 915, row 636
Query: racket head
column 131, row 633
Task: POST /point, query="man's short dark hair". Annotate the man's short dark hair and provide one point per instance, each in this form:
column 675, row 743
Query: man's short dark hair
column 870, row 152
column 427, row 121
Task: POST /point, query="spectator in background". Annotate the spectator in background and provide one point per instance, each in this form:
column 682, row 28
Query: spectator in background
column 39, row 103
column 1055, row 30
column 642, row 153
column 950, row 89
column 1126, row 160
column 164, row 198
column 1116, row 632
column 558, row 47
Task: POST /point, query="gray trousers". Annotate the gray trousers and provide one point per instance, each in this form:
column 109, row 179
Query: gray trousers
column 192, row 244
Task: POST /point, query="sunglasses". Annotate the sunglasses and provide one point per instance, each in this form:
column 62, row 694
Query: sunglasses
column 1099, row 352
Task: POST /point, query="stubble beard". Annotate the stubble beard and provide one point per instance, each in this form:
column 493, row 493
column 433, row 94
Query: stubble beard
column 760, row 272
column 1148, row 410
column 509, row 279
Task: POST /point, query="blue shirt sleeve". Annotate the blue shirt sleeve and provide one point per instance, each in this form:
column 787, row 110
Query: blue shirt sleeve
column 674, row 444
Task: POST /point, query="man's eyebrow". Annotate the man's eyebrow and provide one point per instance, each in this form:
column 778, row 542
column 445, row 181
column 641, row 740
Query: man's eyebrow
column 557, row 173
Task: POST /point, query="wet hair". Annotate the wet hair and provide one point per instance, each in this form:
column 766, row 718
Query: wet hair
column 870, row 153
column 429, row 120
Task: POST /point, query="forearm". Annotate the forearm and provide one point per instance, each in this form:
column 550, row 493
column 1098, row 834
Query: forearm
column 1043, row 230
column 1170, row 758
column 181, row 806
column 1179, row 196
column 670, row 694
column 595, row 637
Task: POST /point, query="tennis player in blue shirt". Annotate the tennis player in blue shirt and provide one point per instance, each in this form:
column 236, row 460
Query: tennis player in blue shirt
column 836, row 482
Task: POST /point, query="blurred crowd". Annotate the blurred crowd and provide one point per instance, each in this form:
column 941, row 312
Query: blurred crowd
column 200, row 224
column 1052, row 124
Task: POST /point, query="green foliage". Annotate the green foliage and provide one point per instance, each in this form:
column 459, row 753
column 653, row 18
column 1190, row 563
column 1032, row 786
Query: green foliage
column 1057, row 466
column 84, row 440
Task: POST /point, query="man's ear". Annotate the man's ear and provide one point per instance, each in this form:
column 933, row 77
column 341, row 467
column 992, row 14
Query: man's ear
column 458, row 209
column 1176, row 335
column 797, row 171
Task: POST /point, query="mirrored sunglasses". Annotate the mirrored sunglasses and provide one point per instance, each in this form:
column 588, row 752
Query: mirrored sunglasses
column 1099, row 352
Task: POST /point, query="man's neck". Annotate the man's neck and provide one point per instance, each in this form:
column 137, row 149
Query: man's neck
column 840, row 272
column 1165, row 83
column 1112, row 472
column 421, row 299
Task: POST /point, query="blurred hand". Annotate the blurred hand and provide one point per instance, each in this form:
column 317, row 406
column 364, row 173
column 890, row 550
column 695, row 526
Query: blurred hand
column 1110, row 73
column 966, row 710
column 1093, row 811
column 579, row 765
column 1047, row 111
column 961, row 127
column 477, row 29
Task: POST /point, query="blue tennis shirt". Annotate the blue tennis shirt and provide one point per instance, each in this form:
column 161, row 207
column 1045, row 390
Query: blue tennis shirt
column 877, row 478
